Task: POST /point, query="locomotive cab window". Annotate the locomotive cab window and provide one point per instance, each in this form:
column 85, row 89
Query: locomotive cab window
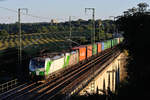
column 38, row 63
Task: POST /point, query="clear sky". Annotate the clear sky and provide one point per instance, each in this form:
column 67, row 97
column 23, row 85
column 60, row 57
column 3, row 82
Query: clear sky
column 62, row 9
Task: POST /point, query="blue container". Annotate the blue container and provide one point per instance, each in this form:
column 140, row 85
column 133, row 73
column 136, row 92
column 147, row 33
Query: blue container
column 102, row 46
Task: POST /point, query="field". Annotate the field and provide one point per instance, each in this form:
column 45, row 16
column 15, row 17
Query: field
column 32, row 43
column 36, row 40
column 12, row 41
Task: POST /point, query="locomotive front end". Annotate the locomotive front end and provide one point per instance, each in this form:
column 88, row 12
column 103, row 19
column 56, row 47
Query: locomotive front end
column 37, row 68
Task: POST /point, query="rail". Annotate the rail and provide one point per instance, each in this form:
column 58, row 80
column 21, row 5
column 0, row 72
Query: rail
column 8, row 85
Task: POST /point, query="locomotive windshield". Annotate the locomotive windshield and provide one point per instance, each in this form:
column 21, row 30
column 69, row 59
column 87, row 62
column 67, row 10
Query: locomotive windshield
column 37, row 63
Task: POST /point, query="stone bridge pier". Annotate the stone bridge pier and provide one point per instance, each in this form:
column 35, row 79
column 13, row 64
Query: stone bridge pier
column 109, row 78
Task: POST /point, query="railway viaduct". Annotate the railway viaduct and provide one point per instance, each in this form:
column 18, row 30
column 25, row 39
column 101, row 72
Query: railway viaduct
column 106, row 79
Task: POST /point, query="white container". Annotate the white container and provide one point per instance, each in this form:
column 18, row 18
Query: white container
column 73, row 58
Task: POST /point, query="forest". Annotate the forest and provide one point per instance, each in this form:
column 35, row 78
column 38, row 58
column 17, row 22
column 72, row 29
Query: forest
column 101, row 27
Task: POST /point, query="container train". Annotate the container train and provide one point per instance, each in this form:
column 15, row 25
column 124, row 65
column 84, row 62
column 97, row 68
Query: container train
column 42, row 67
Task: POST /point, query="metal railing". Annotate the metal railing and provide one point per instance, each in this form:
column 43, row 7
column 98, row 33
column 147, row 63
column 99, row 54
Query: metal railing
column 8, row 85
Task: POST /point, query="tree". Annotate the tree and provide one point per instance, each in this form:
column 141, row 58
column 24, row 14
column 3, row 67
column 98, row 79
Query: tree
column 60, row 28
column 107, row 27
column 98, row 29
column 44, row 29
column 3, row 32
column 126, row 13
column 132, row 11
column 53, row 28
column 83, row 40
column 39, row 30
column 142, row 7
column 137, row 42
column 101, row 35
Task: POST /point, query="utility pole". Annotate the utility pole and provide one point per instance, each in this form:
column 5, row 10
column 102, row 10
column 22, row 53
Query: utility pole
column 93, row 24
column 99, row 24
column 70, row 30
column 92, row 42
column 20, row 36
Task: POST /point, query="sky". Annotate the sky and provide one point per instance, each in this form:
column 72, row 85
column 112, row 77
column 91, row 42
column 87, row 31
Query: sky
column 45, row 10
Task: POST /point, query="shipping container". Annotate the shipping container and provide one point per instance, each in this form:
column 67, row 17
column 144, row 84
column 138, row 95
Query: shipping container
column 99, row 47
column 113, row 42
column 89, row 51
column 105, row 45
column 73, row 58
column 81, row 51
column 109, row 43
column 94, row 49
column 102, row 46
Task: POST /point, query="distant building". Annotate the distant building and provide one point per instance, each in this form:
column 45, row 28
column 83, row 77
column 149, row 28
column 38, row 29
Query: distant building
column 54, row 21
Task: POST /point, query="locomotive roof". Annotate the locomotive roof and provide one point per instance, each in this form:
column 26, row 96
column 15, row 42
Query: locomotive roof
column 38, row 58
column 50, row 55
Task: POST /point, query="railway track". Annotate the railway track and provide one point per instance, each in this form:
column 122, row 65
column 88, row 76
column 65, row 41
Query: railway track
column 55, row 85
column 18, row 89
column 72, row 81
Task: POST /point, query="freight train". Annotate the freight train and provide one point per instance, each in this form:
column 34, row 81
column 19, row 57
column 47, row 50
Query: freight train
column 42, row 67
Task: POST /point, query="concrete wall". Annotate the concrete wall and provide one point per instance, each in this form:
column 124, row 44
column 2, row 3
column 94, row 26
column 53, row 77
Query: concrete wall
column 108, row 78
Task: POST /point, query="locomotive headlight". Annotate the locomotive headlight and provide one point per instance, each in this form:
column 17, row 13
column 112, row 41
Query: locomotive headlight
column 30, row 73
column 37, row 72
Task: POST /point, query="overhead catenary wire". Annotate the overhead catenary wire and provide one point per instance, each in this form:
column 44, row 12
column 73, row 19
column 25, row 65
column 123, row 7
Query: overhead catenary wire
column 65, row 39
column 31, row 15
column 8, row 9
column 34, row 16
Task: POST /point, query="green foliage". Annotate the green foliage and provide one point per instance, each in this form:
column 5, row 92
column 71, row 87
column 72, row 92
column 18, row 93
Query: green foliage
column 44, row 29
column 79, row 25
column 135, row 26
column 142, row 8
column 82, row 30
column 3, row 32
column 83, row 40
column 101, row 35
